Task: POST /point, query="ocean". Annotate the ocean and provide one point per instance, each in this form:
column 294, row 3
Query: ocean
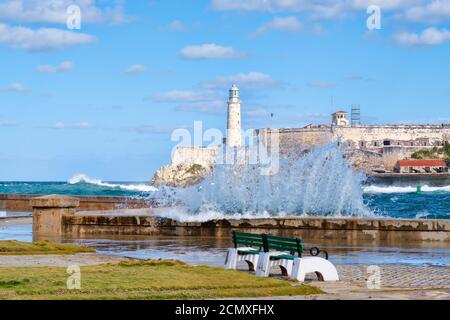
column 392, row 201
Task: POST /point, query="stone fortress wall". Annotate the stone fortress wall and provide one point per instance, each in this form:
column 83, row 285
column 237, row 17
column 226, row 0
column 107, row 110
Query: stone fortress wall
column 204, row 156
column 381, row 145
column 376, row 137
column 366, row 147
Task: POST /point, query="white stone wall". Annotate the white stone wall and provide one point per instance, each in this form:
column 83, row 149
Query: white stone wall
column 374, row 136
column 362, row 137
column 205, row 156
column 291, row 140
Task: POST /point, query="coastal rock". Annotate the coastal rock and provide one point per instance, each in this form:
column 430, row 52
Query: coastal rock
column 364, row 160
column 181, row 175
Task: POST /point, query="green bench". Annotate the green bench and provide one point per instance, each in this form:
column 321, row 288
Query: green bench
column 247, row 247
column 287, row 253
column 266, row 251
column 279, row 251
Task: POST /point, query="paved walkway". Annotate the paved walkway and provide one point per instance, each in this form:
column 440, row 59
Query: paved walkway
column 397, row 276
column 403, row 282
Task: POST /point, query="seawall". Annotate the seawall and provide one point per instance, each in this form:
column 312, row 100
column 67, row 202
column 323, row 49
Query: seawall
column 21, row 202
column 57, row 216
column 145, row 223
column 409, row 179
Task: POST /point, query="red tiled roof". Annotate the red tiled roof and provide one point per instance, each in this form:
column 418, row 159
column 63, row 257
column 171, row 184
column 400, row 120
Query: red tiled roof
column 422, row 163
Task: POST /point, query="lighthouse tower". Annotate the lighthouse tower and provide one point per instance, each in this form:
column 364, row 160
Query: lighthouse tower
column 234, row 138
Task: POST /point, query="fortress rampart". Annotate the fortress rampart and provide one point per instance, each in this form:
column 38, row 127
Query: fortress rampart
column 362, row 137
column 205, row 156
column 399, row 135
column 370, row 148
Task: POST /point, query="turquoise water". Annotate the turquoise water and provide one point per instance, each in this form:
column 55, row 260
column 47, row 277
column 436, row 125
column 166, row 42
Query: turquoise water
column 80, row 188
column 397, row 202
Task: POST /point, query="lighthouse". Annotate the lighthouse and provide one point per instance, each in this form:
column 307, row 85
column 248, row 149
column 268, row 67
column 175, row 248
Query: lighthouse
column 234, row 138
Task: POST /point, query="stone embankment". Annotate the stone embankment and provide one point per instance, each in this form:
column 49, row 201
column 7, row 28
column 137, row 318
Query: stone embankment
column 57, row 216
column 21, row 203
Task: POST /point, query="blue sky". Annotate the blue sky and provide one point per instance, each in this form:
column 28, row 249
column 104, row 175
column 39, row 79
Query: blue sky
column 103, row 100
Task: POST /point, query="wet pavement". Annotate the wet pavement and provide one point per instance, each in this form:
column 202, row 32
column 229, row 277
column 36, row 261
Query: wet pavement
column 212, row 251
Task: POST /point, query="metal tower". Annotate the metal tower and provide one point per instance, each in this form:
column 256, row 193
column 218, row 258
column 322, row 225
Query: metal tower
column 355, row 117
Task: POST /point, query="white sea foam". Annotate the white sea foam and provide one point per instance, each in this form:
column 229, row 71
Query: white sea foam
column 321, row 183
column 406, row 189
column 82, row 178
column 183, row 214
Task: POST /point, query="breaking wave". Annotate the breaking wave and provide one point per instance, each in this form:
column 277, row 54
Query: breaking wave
column 406, row 189
column 320, row 183
column 82, row 178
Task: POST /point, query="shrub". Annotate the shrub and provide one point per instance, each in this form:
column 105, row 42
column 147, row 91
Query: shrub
column 195, row 168
column 446, row 148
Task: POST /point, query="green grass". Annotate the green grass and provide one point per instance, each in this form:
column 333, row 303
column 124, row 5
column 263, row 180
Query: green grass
column 150, row 279
column 11, row 247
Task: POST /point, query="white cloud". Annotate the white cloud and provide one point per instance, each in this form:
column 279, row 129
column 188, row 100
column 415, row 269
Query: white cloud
column 319, row 9
column 322, row 84
column 175, row 26
column 434, row 11
column 258, row 113
column 135, row 68
column 315, row 8
column 75, row 126
column 51, row 11
column 252, row 80
column 7, row 123
column 193, row 101
column 62, row 67
column 429, row 37
column 152, row 129
column 15, row 87
column 209, row 51
column 42, row 39
column 211, row 106
column 356, row 78
column 385, row 4
column 183, row 96
column 290, row 23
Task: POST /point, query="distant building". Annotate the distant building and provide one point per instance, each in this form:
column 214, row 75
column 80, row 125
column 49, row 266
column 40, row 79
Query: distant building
column 420, row 166
column 366, row 147
column 340, row 118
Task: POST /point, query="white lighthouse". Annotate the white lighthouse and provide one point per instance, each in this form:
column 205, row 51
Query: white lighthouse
column 234, row 138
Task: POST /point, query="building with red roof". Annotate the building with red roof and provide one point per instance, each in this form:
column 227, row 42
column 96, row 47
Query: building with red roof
column 421, row 166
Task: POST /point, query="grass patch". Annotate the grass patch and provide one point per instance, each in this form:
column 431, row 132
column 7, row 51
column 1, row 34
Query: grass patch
column 11, row 247
column 150, row 279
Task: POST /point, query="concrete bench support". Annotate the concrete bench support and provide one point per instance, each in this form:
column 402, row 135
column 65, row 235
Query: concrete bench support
column 48, row 212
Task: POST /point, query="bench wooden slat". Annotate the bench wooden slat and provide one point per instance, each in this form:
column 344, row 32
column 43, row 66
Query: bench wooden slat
column 291, row 245
column 248, row 239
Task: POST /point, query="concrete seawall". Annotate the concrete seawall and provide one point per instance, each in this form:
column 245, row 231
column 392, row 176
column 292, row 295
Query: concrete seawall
column 21, row 202
column 346, row 229
column 409, row 179
column 58, row 216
